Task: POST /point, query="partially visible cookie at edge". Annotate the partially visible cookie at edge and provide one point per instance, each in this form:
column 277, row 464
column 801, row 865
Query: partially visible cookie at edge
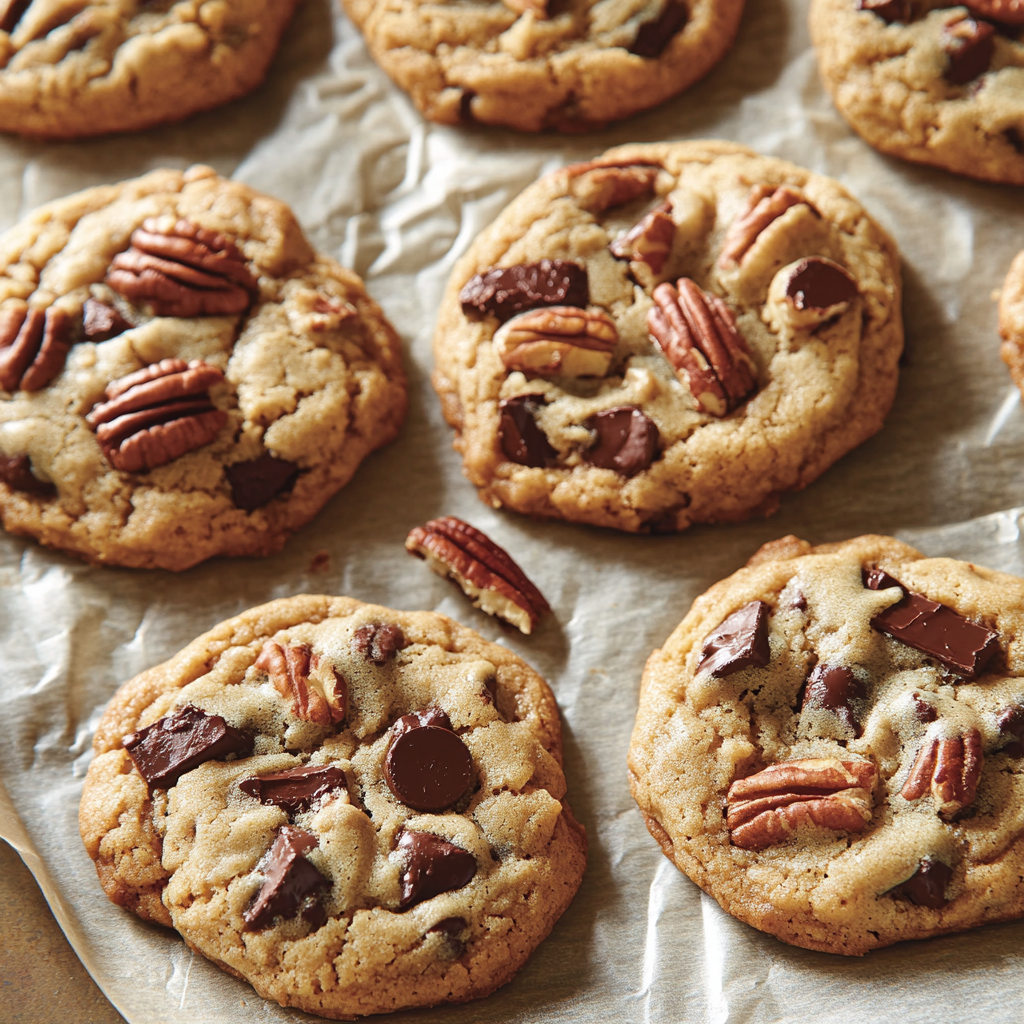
column 181, row 375
column 1011, row 320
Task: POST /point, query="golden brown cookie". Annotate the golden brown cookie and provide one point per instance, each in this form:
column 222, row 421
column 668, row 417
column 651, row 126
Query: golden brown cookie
column 1011, row 321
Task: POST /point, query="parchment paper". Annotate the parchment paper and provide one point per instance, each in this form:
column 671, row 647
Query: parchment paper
column 399, row 200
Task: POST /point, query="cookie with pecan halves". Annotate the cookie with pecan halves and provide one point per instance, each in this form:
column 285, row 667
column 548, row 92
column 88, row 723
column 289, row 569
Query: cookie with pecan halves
column 830, row 744
column 181, row 375
column 670, row 334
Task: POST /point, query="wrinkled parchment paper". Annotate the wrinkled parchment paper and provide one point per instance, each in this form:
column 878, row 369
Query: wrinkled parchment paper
column 399, row 200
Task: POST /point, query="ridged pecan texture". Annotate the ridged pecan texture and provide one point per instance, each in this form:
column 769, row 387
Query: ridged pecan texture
column 34, row 345
column 649, row 240
column 949, row 768
column 296, row 672
column 765, row 204
column 559, row 341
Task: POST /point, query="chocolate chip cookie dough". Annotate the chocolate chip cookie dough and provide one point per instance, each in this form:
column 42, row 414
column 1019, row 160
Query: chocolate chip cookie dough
column 567, row 65
column 1011, row 321
column 95, row 66
column 181, row 375
column 831, row 744
column 929, row 81
column 355, row 809
column 670, row 334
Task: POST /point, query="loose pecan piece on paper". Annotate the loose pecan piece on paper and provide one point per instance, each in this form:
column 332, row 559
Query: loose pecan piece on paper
column 768, row 807
column 559, row 341
column 649, row 240
column 34, row 345
column 183, row 271
column 157, row 414
column 318, row 693
column 487, row 574
column 698, row 334
column 765, row 204
column 949, row 768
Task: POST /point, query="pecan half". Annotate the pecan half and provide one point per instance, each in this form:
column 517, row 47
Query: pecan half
column 698, row 335
column 183, row 271
column 950, row 769
column 649, row 240
column 970, row 46
column 157, row 414
column 34, row 346
column 296, row 672
column 599, row 186
column 559, row 341
column 768, row 807
column 765, row 204
column 487, row 574
column 1006, row 12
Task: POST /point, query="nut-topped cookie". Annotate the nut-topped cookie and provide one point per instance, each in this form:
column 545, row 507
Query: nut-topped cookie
column 1011, row 320
column 355, row 809
column 95, row 66
column 670, row 334
column 181, row 375
column 830, row 744
column 933, row 82
column 566, row 65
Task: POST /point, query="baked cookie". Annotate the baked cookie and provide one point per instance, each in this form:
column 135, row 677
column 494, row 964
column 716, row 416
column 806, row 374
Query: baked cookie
column 831, row 744
column 929, row 81
column 1011, row 321
column 88, row 67
column 670, row 334
column 567, row 65
column 354, row 809
column 181, row 375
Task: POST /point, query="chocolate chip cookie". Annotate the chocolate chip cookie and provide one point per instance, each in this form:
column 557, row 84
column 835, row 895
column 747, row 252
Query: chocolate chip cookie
column 831, row 744
column 929, row 81
column 670, row 334
column 567, row 65
column 95, row 66
column 355, row 809
column 1011, row 320
column 181, row 375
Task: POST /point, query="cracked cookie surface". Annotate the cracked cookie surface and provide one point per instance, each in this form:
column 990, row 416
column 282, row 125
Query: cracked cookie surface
column 929, row 82
column 371, row 929
column 671, row 334
column 70, row 68
column 567, row 65
column 182, row 375
column 844, row 769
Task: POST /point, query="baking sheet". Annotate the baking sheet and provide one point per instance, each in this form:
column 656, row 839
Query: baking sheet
column 399, row 200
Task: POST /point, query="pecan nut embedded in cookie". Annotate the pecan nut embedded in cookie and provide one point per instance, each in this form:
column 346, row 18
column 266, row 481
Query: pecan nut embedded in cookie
column 34, row 345
column 765, row 204
column 649, row 240
column 561, row 341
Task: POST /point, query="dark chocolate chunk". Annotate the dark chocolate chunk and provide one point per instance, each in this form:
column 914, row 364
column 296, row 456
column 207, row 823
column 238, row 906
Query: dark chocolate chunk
column 428, row 716
column 819, row 284
column 889, row 11
column 924, row 711
column 970, row 45
column 427, row 767
column 259, row 481
column 179, row 742
column 16, row 472
column 291, row 884
column 1011, row 724
column 101, row 322
column 378, row 642
column 1015, row 138
column 521, row 440
column 627, row 440
column 432, row 866
column 505, row 291
column 13, row 14
column 741, row 641
column 879, row 579
column 296, row 789
column 927, row 886
column 799, row 602
column 653, row 36
column 452, row 947
column 835, row 689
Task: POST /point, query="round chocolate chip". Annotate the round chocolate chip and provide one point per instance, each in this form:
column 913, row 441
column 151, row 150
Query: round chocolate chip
column 428, row 768
column 817, row 283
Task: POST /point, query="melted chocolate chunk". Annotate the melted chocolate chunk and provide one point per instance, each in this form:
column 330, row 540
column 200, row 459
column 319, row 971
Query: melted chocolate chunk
column 927, row 886
column 291, row 884
column 179, row 742
column 522, row 441
column 427, row 766
column 835, row 689
column 101, row 322
column 889, row 11
column 16, row 472
column 432, row 866
column 819, row 284
column 1011, row 724
column 378, row 642
column 255, row 483
column 741, row 641
column 627, row 440
column 879, row 579
column 653, row 36
column 505, row 291
column 970, row 46
column 924, row 711
column 450, row 929
column 296, row 789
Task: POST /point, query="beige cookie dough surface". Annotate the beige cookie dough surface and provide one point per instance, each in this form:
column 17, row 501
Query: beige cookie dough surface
column 831, row 890
column 505, row 64
column 188, row 857
column 820, row 392
column 313, row 375
column 1011, row 320
column 71, row 68
column 888, row 81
